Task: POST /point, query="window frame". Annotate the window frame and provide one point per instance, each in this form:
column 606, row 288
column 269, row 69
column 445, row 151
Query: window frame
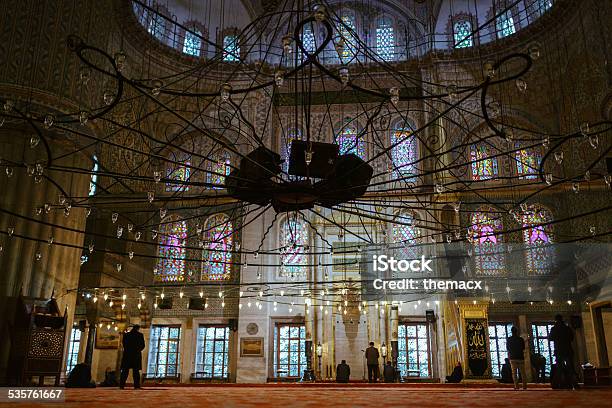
column 74, row 347
column 406, row 339
column 301, row 366
column 535, row 345
column 500, row 355
column 201, row 352
column 159, row 339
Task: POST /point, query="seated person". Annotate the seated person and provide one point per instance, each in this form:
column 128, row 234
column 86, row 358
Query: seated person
column 389, row 373
column 343, row 372
column 80, row 377
column 506, row 373
column 457, row 374
column 110, row 378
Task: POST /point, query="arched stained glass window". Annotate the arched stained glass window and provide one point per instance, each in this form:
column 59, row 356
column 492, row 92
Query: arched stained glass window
column 405, row 153
column 484, row 167
column 171, row 250
column 405, row 236
column 505, row 24
column 293, row 238
column 488, row 254
column 528, row 163
column 231, row 48
column 217, row 256
column 349, row 142
column 94, row 177
column 308, row 41
column 285, row 148
column 348, row 32
column 219, row 167
column 385, row 39
column 178, row 173
column 537, row 239
column 462, row 32
column 193, row 42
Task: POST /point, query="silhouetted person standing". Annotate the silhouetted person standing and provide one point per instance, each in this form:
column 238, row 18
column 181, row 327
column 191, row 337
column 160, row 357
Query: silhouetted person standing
column 516, row 353
column 133, row 344
column 563, row 336
column 506, row 373
column 389, row 373
column 343, row 372
column 371, row 355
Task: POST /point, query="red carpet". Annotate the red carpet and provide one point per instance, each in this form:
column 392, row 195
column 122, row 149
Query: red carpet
column 324, row 396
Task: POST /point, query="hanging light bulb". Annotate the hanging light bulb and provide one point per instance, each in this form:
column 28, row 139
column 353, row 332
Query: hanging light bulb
column 534, row 51
column 181, row 294
column 489, row 69
column 120, row 61
column 157, row 176
column 156, row 87
column 225, row 92
column 279, row 77
column 394, row 92
column 201, row 294
column 114, row 217
column 308, row 156
column 287, row 41
column 320, row 13
column 139, row 305
column 521, row 85
column 558, row 156
column 343, row 72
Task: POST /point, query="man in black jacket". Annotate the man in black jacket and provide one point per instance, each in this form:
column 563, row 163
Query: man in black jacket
column 133, row 344
column 563, row 336
column 343, row 372
column 371, row 355
column 516, row 354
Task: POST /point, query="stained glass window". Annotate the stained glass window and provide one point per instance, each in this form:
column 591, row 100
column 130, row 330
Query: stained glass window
column 488, row 255
column 541, row 345
column 171, row 250
column 193, row 42
column 413, row 350
column 286, row 140
column 405, row 235
column 405, row 153
column 308, row 41
column 537, row 238
column 289, row 350
column 218, row 168
column 385, row 39
column 212, row 352
column 164, row 352
column 484, row 167
column 347, row 31
column 217, row 256
column 156, row 26
column 73, row 349
column 178, row 173
column 505, row 24
column 542, row 6
column 349, row 142
column 94, row 177
column 231, row 48
column 293, row 238
column 463, row 34
column 498, row 337
column 528, row 163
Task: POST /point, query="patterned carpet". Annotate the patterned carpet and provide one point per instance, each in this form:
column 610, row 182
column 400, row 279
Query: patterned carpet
column 286, row 396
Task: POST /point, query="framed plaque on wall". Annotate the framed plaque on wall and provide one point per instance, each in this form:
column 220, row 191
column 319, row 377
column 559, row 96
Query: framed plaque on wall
column 251, row 347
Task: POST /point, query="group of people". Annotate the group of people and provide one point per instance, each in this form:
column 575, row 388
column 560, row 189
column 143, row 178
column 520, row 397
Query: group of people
column 513, row 370
column 343, row 371
column 133, row 344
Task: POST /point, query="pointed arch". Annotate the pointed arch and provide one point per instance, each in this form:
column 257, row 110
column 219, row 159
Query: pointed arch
column 217, row 255
column 171, row 250
column 489, row 257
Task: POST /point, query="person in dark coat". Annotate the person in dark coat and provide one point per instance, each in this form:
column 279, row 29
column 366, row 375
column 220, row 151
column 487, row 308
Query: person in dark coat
column 371, row 355
column 343, row 372
column 506, row 373
column 389, row 373
column 563, row 336
column 80, row 377
column 133, row 344
column 457, row 374
column 516, row 353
